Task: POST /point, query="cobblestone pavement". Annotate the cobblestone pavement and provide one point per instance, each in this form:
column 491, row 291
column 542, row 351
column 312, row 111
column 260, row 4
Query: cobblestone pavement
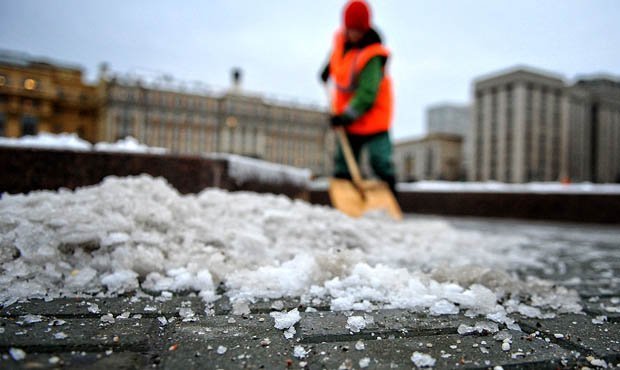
column 148, row 332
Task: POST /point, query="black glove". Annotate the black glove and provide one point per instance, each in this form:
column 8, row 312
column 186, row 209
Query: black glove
column 340, row 120
column 325, row 74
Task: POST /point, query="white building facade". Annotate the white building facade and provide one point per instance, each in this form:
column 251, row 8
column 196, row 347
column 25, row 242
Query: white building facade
column 530, row 126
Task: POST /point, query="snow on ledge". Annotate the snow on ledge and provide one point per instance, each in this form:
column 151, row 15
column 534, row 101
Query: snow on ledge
column 499, row 187
column 243, row 169
column 66, row 141
column 46, row 140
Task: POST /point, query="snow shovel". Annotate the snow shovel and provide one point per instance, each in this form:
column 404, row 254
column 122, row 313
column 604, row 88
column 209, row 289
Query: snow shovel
column 359, row 196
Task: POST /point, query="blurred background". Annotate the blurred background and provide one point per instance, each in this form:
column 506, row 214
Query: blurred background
column 439, row 48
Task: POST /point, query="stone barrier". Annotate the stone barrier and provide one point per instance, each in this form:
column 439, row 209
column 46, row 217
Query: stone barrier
column 577, row 207
column 27, row 169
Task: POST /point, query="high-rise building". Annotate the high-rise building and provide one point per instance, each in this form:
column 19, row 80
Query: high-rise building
column 529, row 125
column 517, row 127
column 39, row 94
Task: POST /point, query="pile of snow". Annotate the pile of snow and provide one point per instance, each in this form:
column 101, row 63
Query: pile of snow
column 128, row 145
column 242, row 169
column 140, row 233
column 48, row 141
column 65, row 141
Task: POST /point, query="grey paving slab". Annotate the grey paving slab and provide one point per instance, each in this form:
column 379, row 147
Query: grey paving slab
column 226, row 342
column 449, row 352
column 78, row 335
column 78, row 360
column 607, row 306
column 332, row 326
column 96, row 307
column 579, row 333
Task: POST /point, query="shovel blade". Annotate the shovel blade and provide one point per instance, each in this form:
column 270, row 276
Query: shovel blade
column 371, row 196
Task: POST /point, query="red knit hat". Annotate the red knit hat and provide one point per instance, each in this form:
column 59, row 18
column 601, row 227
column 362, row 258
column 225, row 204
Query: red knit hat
column 357, row 15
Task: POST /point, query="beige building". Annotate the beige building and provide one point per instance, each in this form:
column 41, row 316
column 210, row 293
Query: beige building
column 529, row 125
column 517, row 127
column 596, row 129
column 193, row 122
column 40, row 95
column 452, row 119
column 434, row 157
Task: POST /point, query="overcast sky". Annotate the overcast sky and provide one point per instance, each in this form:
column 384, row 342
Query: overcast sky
column 438, row 47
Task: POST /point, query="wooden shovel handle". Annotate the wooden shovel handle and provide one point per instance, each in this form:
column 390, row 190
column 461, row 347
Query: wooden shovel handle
column 348, row 156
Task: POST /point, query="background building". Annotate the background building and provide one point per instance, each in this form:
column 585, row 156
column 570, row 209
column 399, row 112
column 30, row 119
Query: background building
column 448, row 119
column 595, row 130
column 190, row 121
column 454, row 119
column 434, row 157
column 42, row 95
column 517, row 128
column 530, row 126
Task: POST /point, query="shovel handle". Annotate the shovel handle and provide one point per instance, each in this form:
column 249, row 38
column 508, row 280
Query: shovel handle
column 348, row 156
column 346, row 149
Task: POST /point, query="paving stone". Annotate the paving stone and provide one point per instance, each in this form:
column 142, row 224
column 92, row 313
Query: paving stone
column 578, row 333
column 251, row 342
column 449, row 351
column 606, row 306
column 79, row 307
column 78, row 335
column 332, row 326
column 78, row 360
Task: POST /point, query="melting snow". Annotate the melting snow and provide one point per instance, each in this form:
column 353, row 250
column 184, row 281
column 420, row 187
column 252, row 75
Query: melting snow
column 137, row 233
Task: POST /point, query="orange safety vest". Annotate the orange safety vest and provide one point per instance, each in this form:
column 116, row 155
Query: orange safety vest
column 344, row 69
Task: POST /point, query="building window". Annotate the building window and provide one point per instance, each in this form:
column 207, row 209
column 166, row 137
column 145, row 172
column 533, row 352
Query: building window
column 29, row 125
column 30, row 84
column 3, row 80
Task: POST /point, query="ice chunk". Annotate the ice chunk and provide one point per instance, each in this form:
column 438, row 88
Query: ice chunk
column 93, row 308
column 356, row 323
column 107, row 318
column 29, row 319
column 300, row 352
column 187, row 314
column 17, row 354
column 285, row 320
column 422, row 359
column 364, row 362
column 444, row 307
column 60, row 335
column 481, row 327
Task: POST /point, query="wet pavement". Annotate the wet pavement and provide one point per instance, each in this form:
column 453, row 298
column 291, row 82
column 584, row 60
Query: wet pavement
column 179, row 332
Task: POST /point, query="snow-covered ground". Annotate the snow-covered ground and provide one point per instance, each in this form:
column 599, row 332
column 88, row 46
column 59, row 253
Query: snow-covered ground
column 139, row 233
